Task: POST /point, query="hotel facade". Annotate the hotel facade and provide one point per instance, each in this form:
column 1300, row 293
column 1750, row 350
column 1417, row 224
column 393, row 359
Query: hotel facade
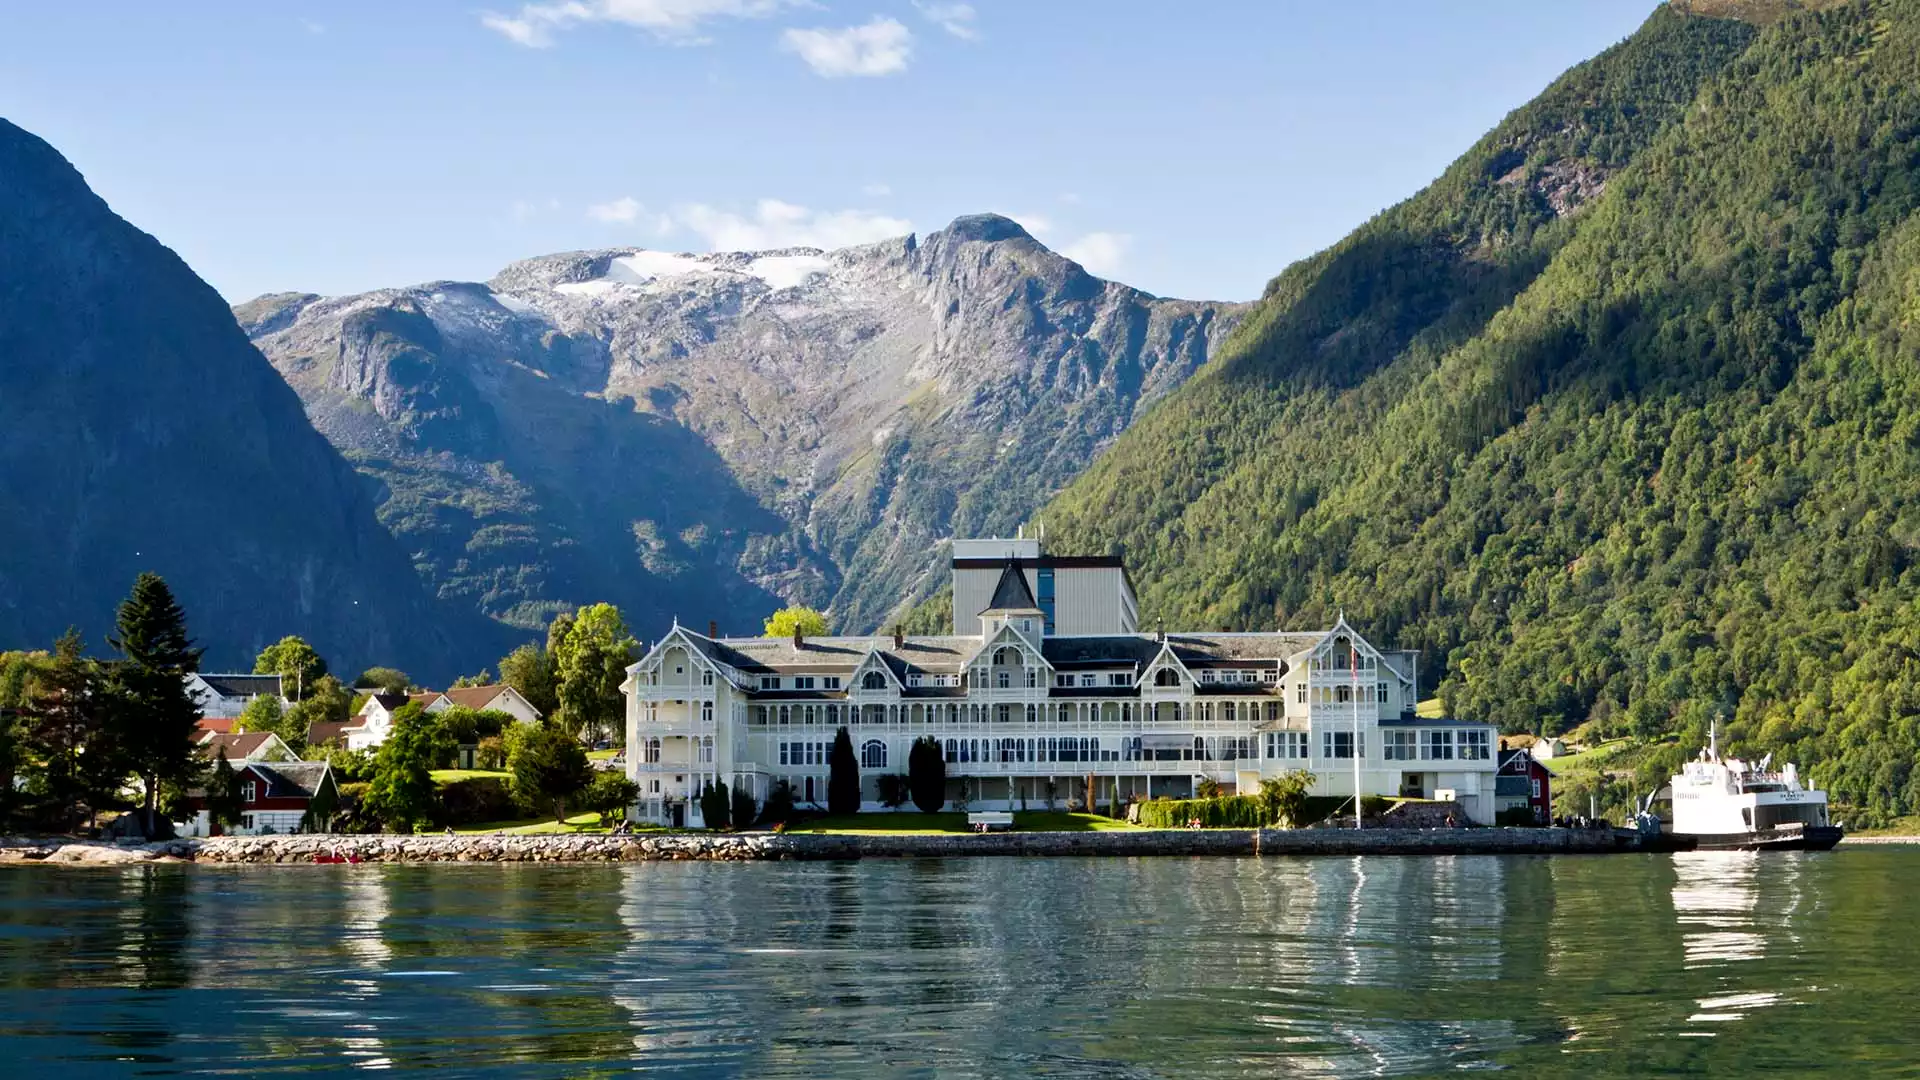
column 1045, row 684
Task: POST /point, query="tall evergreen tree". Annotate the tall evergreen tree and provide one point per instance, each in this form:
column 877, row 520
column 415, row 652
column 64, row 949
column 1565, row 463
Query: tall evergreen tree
column 153, row 715
column 223, row 794
column 68, row 733
column 927, row 774
column 843, row 776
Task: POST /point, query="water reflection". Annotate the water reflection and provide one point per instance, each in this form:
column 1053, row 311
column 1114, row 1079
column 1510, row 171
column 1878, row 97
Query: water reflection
column 968, row 968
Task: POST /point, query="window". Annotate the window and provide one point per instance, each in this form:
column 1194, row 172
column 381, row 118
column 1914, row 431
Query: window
column 1062, row 679
column 248, row 791
column 1475, row 745
column 1286, row 745
column 769, row 682
column 706, row 712
column 1270, row 676
column 706, row 750
column 1207, row 676
column 1119, row 678
column 1002, row 679
column 1380, row 693
column 1301, row 697
column 1343, row 694
column 1273, row 711
column 1166, row 677
column 706, row 678
column 1033, row 715
column 1437, row 746
column 1535, row 781
column 652, row 751
column 1003, row 714
column 1340, row 744
column 873, row 680
column 1087, row 680
column 873, row 754
column 803, row 682
column 786, row 715
column 1033, row 679
column 830, row 682
column 1399, row 745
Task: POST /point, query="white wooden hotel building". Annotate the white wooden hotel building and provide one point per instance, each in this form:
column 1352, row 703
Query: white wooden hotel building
column 1044, row 681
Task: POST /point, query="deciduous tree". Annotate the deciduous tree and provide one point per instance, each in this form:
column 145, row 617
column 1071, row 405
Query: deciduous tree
column 529, row 670
column 402, row 794
column 796, row 619
column 549, row 768
column 298, row 665
column 592, row 667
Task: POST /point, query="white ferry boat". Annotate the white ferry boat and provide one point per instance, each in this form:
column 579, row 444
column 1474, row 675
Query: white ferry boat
column 1747, row 806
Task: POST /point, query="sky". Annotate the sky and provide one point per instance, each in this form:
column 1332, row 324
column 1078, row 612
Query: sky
column 1191, row 149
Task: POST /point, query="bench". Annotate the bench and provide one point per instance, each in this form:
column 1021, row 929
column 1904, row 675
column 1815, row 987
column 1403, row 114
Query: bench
column 989, row 820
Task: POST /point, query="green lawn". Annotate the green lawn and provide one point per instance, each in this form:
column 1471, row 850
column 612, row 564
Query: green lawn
column 1903, row 826
column 1591, row 758
column 578, row 823
column 448, row 776
column 1430, row 709
column 601, row 755
column 914, row 822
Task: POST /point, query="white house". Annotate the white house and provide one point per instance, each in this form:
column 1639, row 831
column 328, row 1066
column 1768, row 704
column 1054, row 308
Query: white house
column 1026, row 716
column 227, row 696
column 374, row 722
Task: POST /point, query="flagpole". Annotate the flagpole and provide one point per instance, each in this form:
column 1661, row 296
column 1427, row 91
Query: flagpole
column 1354, row 672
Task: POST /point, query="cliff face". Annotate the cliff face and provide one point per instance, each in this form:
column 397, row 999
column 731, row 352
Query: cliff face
column 712, row 435
column 140, row 431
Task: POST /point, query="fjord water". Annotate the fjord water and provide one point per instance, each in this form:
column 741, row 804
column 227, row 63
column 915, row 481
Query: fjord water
column 1702, row 964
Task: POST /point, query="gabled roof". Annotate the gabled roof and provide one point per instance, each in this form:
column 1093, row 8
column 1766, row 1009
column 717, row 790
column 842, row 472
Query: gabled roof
column 291, row 779
column 239, row 747
column 387, row 701
column 483, row 697
column 241, row 686
column 1011, row 595
column 322, row 732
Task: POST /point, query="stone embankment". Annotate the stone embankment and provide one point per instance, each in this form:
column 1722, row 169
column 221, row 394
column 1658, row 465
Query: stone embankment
column 769, row 846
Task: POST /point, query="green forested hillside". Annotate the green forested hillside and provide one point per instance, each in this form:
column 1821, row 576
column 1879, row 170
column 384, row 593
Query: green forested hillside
column 1633, row 458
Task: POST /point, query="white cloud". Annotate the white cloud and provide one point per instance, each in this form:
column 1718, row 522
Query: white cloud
column 1100, row 253
column 777, row 224
column 955, row 19
column 878, row 47
column 312, row 27
column 670, row 20
column 1037, row 224
column 876, row 190
column 622, row 211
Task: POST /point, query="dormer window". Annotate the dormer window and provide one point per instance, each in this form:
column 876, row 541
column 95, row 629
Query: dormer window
column 1207, row 676
column 1062, row 679
column 830, row 682
column 873, row 680
column 769, row 682
column 803, row 682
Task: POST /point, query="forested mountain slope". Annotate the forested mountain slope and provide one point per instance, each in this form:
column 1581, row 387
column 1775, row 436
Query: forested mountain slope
column 1637, row 463
column 140, row 431
column 715, row 435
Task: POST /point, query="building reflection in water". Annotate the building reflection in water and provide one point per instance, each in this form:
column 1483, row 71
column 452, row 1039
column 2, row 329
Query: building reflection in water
column 1725, row 928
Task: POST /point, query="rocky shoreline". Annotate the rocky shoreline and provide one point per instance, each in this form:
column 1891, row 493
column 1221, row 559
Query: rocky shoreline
column 745, row 847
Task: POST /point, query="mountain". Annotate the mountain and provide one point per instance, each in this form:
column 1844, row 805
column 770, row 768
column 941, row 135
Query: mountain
column 716, row 435
column 1618, row 421
column 140, row 431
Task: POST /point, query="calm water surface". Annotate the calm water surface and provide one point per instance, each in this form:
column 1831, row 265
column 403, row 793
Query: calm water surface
column 1792, row 965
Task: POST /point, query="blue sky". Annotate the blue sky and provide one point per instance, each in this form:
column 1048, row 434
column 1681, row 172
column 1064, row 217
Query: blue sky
column 1191, row 149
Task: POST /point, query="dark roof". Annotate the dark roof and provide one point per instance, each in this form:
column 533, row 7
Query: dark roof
column 291, row 779
column 1011, row 593
column 390, row 702
column 235, row 686
column 770, row 656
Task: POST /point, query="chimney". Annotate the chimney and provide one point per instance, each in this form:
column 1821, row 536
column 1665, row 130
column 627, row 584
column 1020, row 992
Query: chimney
column 799, row 639
column 899, row 639
column 713, row 628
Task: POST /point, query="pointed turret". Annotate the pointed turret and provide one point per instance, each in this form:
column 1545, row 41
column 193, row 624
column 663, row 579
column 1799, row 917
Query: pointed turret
column 1011, row 596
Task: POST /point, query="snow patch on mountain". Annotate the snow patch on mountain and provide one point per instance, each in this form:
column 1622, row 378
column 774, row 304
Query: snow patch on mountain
column 787, row 271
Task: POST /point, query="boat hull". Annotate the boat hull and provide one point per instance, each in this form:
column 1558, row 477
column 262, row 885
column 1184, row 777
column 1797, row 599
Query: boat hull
column 1812, row 838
